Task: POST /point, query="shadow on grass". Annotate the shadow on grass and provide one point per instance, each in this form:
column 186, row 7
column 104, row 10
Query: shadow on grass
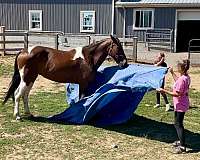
column 143, row 127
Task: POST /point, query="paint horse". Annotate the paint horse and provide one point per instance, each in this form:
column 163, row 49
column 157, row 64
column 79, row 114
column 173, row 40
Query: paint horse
column 74, row 66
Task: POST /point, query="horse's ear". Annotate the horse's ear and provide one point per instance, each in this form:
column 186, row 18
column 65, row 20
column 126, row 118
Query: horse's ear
column 113, row 38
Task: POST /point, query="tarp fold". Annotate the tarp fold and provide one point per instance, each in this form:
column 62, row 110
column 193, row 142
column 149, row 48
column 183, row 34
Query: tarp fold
column 112, row 97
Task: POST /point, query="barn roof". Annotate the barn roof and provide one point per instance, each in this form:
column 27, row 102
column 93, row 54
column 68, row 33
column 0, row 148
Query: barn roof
column 158, row 3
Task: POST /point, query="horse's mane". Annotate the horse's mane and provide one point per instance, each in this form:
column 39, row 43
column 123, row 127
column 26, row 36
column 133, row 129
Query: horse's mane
column 92, row 47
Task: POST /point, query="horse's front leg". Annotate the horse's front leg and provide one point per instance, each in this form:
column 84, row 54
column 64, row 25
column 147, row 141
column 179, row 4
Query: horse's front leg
column 81, row 96
column 82, row 89
column 17, row 96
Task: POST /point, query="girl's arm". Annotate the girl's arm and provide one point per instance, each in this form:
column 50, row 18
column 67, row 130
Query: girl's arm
column 175, row 77
column 174, row 94
column 160, row 62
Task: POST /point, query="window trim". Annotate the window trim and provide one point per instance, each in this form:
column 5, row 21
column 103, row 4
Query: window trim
column 30, row 20
column 93, row 21
column 152, row 18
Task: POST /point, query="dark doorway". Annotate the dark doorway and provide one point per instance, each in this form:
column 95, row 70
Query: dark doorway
column 187, row 30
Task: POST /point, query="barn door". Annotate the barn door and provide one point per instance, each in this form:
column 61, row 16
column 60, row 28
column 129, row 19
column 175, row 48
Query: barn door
column 188, row 27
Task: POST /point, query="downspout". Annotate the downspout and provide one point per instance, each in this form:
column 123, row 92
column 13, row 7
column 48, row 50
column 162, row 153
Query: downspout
column 124, row 25
column 175, row 30
column 113, row 17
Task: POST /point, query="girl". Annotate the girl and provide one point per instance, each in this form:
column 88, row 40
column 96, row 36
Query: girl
column 160, row 61
column 181, row 102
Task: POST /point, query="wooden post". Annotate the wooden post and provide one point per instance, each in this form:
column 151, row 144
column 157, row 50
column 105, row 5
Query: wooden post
column 2, row 38
column 135, row 42
column 171, row 42
column 26, row 40
column 89, row 40
column 56, row 41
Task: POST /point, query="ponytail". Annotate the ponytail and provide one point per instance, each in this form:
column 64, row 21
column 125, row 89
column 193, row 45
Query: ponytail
column 186, row 63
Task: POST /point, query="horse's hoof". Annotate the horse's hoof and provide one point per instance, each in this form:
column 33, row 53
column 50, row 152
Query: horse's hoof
column 18, row 118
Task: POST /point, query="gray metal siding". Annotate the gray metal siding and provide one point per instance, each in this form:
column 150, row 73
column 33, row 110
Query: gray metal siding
column 163, row 18
column 163, row 1
column 129, row 21
column 118, row 24
column 58, row 15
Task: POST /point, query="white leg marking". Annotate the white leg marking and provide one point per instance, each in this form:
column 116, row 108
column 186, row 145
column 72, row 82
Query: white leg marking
column 18, row 93
column 16, row 107
column 78, row 53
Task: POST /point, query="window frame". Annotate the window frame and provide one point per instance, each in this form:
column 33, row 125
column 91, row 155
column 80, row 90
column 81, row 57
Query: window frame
column 93, row 21
column 134, row 19
column 30, row 20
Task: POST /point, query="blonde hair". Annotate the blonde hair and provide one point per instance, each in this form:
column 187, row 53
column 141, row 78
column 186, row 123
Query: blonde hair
column 184, row 66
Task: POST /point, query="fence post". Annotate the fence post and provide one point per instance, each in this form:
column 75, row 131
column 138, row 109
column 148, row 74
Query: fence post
column 26, row 40
column 135, row 41
column 171, row 42
column 145, row 39
column 3, row 38
column 89, row 41
column 56, row 41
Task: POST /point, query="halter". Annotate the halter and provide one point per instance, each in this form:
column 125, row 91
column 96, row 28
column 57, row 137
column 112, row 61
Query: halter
column 110, row 49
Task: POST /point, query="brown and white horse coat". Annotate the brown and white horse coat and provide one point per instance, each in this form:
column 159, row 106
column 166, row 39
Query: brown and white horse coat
column 78, row 65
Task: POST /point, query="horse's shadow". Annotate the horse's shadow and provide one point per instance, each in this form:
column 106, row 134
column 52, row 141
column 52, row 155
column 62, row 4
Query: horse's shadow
column 144, row 127
column 140, row 126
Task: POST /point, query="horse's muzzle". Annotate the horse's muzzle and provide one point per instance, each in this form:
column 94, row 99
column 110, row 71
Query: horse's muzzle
column 123, row 64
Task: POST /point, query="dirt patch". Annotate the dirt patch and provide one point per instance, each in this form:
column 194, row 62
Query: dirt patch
column 194, row 74
column 7, row 60
column 41, row 84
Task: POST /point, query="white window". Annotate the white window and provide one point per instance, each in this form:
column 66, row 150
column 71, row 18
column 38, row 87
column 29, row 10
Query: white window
column 35, row 20
column 87, row 21
column 143, row 19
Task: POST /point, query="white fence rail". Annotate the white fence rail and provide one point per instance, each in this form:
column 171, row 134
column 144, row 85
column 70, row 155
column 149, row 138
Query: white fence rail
column 12, row 41
column 194, row 52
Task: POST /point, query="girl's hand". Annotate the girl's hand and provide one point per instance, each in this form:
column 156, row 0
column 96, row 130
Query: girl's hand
column 160, row 90
column 171, row 69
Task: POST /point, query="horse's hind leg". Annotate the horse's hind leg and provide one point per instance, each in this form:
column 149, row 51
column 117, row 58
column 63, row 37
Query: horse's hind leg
column 22, row 91
column 18, row 93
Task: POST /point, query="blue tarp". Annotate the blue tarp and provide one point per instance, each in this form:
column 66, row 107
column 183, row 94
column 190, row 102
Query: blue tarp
column 113, row 96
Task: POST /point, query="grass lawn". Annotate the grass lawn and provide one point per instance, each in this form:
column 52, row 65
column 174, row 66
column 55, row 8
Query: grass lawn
column 148, row 135
column 6, row 69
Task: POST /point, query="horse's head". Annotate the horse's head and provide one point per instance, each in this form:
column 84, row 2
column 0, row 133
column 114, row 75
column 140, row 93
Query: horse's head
column 116, row 51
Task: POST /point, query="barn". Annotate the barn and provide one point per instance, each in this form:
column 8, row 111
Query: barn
column 125, row 18
column 181, row 16
column 71, row 16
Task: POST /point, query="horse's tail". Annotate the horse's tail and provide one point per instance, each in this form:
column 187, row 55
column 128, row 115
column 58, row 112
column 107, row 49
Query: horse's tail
column 14, row 82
